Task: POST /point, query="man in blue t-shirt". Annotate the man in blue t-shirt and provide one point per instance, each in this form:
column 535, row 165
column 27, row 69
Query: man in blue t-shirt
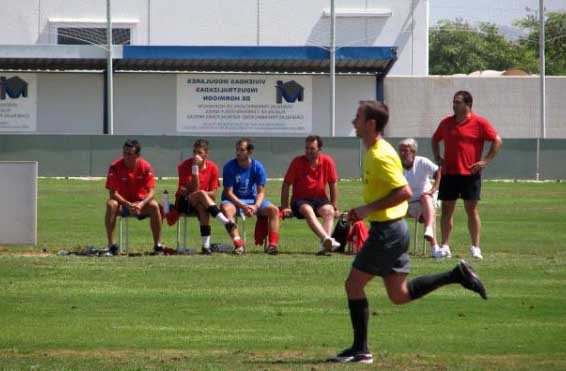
column 244, row 186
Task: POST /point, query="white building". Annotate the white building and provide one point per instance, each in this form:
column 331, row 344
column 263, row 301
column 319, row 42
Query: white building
column 191, row 53
column 399, row 23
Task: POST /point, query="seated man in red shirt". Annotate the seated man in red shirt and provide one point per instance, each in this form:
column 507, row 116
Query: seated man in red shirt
column 131, row 185
column 198, row 182
column 308, row 175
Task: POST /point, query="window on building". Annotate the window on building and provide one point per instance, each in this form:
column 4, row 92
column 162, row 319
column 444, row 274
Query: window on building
column 90, row 36
column 89, row 32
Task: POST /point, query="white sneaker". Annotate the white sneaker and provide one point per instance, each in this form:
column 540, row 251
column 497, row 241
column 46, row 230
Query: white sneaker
column 445, row 251
column 476, row 252
column 429, row 233
column 328, row 245
column 335, row 245
column 436, row 252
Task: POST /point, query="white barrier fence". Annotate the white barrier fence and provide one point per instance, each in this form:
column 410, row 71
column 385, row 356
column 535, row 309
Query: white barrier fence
column 18, row 200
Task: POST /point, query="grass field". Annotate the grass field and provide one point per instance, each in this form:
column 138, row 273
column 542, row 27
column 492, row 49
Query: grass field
column 282, row 312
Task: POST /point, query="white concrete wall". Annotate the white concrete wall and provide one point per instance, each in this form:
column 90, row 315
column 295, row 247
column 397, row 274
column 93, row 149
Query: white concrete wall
column 27, row 22
column 70, row 103
column 226, row 22
column 510, row 103
column 145, row 104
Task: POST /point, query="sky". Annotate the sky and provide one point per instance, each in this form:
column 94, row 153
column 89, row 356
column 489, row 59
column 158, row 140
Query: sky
column 501, row 12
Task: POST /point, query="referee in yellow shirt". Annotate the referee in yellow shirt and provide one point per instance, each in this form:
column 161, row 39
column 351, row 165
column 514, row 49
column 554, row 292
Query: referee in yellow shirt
column 385, row 193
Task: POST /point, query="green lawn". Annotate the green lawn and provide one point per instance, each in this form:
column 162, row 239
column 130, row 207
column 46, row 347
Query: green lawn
column 282, row 312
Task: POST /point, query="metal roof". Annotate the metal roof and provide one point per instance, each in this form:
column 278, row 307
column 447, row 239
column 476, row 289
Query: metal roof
column 55, row 57
column 272, row 59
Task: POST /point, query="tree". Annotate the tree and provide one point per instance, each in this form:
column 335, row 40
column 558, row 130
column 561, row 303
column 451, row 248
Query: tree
column 456, row 47
column 555, row 39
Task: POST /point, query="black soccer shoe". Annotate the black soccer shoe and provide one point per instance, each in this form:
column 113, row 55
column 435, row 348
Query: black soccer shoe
column 353, row 356
column 470, row 280
column 113, row 250
column 158, row 250
column 272, row 250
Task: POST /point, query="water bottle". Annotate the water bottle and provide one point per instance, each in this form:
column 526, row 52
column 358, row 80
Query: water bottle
column 165, row 202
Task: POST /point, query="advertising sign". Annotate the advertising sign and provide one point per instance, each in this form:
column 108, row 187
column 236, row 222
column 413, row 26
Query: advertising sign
column 257, row 104
column 18, row 102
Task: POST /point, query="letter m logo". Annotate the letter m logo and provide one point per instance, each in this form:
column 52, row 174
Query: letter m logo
column 13, row 87
column 291, row 91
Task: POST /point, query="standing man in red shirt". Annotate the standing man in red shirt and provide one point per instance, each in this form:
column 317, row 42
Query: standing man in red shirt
column 131, row 185
column 308, row 175
column 198, row 182
column 463, row 135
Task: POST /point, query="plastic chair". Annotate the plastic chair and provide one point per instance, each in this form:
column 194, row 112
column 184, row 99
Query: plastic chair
column 416, row 234
column 124, row 232
column 436, row 204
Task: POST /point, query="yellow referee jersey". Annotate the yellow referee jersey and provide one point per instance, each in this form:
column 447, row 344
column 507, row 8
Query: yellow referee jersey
column 382, row 173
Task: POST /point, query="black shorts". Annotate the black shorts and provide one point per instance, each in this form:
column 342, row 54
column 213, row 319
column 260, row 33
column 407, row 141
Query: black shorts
column 466, row 187
column 125, row 212
column 183, row 207
column 315, row 204
column 385, row 250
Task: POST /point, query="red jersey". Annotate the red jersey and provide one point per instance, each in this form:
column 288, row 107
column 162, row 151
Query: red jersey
column 133, row 185
column 309, row 182
column 463, row 142
column 208, row 176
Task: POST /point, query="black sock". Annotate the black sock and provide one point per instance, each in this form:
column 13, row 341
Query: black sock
column 359, row 314
column 205, row 230
column 422, row 285
column 230, row 226
column 213, row 210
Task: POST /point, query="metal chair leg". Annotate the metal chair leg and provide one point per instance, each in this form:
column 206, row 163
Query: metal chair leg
column 182, row 225
column 185, row 231
column 126, row 248
column 243, row 234
column 415, row 239
column 121, row 232
column 177, row 234
column 424, row 245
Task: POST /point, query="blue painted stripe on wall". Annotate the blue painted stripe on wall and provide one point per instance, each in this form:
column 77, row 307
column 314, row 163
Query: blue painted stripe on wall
column 388, row 54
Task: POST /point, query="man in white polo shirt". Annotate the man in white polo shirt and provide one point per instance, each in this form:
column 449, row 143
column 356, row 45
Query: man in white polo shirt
column 418, row 171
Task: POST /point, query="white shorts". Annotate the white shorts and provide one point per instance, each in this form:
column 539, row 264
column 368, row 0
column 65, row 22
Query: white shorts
column 415, row 207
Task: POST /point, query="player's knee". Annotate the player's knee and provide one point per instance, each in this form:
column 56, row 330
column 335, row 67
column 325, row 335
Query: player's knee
column 153, row 206
column 112, row 203
column 397, row 298
column 326, row 211
column 228, row 210
column 273, row 212
column 471, row 209
column 200, row 195
column 347, row 286
column 306, row 210
column 425, row 197
column 352, row 288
